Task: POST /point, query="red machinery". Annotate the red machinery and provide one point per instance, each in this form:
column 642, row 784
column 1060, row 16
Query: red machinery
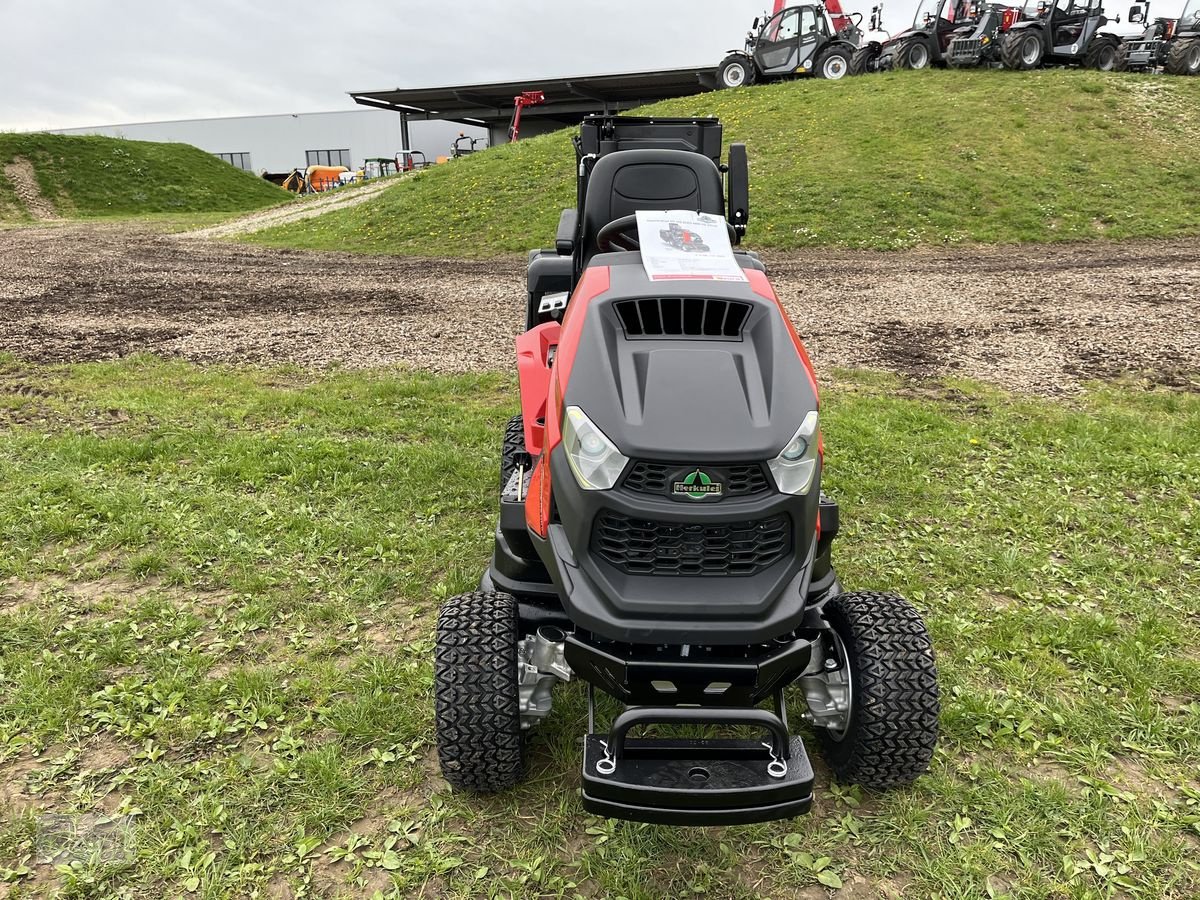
column 522, row 100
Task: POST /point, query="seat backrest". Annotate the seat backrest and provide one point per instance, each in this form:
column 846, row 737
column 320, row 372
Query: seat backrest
column 622, row 183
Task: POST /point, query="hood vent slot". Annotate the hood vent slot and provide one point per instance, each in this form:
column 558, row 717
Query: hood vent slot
column 694, row 318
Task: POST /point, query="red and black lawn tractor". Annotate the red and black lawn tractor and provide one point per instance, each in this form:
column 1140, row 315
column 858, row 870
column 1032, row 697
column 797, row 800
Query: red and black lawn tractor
column 663, row 536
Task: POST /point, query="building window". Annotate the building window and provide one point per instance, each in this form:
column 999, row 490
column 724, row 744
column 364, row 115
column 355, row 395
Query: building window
column 237, row 160
column 329, row 158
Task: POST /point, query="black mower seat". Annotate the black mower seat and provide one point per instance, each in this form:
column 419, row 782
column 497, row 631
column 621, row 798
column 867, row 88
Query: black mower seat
column 623, row 183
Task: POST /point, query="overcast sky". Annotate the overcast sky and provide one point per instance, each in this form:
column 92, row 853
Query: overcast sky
column 67, row 63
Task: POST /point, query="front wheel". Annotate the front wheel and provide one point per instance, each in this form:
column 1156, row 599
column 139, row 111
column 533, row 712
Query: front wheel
column 735, row 71
column 477, row 707
column 1022, row 51
column 1184, row 58
column 833, row 64
column 892, row 728
column 913, row 53
column 1102, row 55
column 864, row 60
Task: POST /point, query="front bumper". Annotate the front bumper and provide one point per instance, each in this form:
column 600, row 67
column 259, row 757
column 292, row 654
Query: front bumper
column 704, row 677
column 965, row 52
column 1143, row 54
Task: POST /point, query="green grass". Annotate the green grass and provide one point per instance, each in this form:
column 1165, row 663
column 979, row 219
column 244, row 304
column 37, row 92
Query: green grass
column 217, row 593
column 89, row 176
column 879, row 162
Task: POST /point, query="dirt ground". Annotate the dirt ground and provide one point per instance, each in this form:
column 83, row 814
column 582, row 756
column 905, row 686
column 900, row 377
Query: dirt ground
column 1038, row 320
column 23, row 179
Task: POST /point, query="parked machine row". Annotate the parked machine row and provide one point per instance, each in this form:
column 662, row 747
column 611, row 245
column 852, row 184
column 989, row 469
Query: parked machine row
column 823, row 40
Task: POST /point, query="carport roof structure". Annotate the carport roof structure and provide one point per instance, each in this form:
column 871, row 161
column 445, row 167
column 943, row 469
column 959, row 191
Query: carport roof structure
column 567, row 99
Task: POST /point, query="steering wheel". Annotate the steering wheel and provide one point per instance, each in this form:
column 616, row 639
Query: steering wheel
column 616, row 235
column 619, row 234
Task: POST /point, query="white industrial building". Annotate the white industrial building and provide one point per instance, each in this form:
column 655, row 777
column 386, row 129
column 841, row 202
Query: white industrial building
column 281, row 143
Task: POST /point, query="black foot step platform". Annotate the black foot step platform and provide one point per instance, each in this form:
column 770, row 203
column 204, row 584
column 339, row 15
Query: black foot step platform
column 694, row 781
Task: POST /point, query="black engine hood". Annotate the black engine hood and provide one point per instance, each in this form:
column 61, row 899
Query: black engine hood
column 680, row 398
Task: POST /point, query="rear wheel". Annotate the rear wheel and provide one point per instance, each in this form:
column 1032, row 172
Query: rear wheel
column 1102, row 55
column 833, row 64
column 735, row 71
column 1184, row 57
column 512, row 454
column 1022, row 50
column 893, row 724
column 477, row 705
column 863, row 60
column 913, row 53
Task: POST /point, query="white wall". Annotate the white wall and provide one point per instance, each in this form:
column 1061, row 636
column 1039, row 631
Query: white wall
column 278, row 143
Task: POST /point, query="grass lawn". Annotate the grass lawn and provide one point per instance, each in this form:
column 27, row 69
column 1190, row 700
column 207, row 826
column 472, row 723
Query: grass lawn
column 89, row 176
column 880, row 162
column 217, row 594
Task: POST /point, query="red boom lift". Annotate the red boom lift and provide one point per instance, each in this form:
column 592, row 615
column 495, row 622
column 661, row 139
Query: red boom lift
column 522, row 100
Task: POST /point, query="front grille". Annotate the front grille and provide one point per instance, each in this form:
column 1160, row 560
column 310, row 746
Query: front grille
column 655, row 478
column 690, row 317
column 644, row 547
column 965, row 48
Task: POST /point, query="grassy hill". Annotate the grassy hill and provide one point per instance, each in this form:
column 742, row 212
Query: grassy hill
column 98, row 176
column 885, row 161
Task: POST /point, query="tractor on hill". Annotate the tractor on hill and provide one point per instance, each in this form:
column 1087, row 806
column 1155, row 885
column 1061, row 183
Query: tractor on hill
column 982, row 46
column 806, row 39
column 936, row 24
column 465, row 145
column 1172, row 45
column 1061, row 32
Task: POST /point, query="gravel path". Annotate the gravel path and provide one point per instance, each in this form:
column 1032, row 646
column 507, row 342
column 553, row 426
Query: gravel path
column 1036, row 320
column 297, row 210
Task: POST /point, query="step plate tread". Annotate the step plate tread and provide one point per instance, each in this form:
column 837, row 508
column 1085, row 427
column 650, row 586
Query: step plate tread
column 722, row 779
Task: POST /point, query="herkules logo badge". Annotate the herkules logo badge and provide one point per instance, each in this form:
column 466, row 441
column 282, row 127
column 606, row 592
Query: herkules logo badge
column 698, row 485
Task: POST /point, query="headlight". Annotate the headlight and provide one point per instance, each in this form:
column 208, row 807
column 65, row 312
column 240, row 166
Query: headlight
column 595, row 461
column 796, row 465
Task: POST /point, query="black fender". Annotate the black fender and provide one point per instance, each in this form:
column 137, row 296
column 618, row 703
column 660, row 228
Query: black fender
column 904, row 35
column 1025, row 26
column 844, row 45
column 741, row 53
column 916, row 35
